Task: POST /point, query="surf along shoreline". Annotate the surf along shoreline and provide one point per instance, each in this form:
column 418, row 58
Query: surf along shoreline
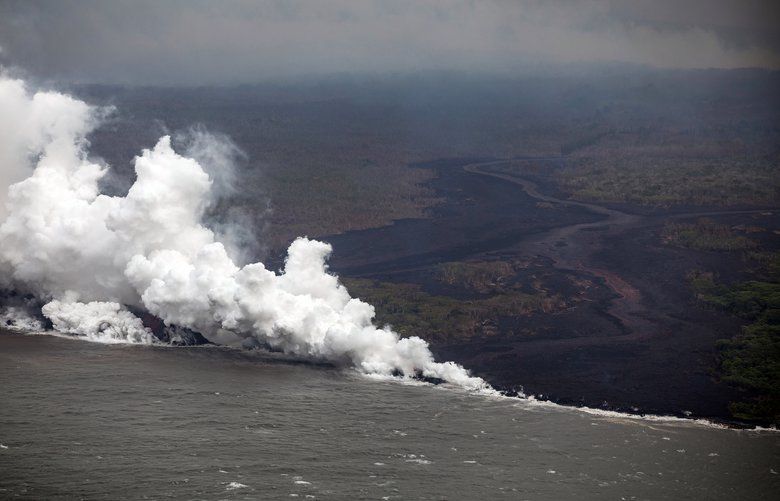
column 246, row 356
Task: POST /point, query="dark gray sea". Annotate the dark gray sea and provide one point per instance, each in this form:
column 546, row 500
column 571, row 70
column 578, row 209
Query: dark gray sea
column 87, row 421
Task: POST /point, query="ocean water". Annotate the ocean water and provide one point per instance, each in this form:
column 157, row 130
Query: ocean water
column 81, row 420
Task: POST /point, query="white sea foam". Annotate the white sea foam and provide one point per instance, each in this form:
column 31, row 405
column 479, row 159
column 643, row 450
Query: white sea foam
column 530, row 402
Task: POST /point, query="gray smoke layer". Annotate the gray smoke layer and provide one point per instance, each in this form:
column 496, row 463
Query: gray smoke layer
column 91, row 257
column 187, row 42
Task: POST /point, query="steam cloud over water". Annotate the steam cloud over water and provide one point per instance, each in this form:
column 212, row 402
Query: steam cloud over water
column 93, row 257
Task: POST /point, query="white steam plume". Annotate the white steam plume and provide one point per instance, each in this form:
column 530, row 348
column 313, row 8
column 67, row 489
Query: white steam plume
column 90, row 254
column 97, row 321
column 28, row 124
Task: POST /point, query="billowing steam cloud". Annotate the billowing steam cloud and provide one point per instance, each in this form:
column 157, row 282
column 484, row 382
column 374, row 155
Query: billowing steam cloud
column 94, row 257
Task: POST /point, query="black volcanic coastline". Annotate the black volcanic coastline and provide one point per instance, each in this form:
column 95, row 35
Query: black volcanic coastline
column 631, row 343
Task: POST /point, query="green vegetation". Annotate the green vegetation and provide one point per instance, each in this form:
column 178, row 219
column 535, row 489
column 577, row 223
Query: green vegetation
column 767, row 264
column 751, row 359
column 705, row 234
column 412, row 311
column 483, row 277
column 666, row 181
column 320, row 199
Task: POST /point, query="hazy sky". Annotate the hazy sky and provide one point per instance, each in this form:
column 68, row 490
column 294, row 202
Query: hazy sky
column 198, row 41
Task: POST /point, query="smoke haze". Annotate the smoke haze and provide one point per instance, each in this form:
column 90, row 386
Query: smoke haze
column 202, row 42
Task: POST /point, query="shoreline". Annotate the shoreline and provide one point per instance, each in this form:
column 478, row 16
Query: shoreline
column 506, row 395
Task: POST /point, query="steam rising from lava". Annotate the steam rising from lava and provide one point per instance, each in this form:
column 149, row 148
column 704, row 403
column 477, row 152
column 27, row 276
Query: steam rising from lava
column 92, row 256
